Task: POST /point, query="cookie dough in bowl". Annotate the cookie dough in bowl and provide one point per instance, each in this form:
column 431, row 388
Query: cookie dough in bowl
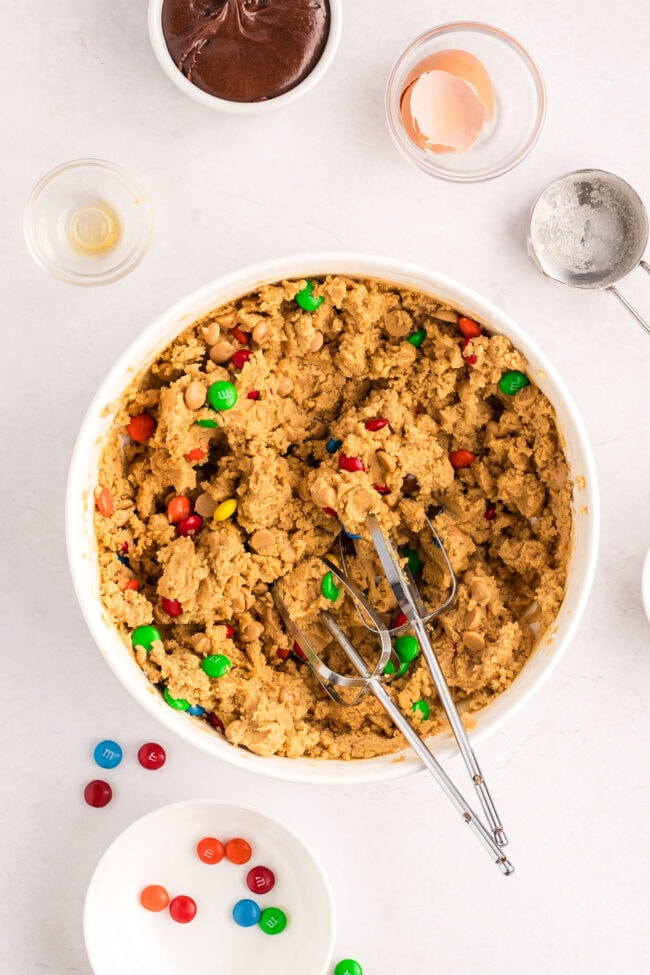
column 253, row 423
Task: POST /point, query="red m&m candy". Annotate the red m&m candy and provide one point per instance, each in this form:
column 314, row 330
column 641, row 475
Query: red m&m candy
column 151, row 756
column 260, row 880
column 98, row 793
column 182, row 909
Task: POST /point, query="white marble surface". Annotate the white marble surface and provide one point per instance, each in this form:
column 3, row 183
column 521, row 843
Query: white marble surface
column 414, row 892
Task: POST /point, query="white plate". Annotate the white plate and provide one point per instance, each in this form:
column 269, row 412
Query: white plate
column 121, row 936
column 645, row 585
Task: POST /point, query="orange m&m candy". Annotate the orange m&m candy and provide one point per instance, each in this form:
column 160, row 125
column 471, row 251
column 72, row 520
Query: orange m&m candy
column 210, row 850
column 154, row 898
column 238, row 851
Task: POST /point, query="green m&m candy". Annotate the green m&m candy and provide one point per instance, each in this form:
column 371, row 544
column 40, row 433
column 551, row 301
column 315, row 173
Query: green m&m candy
column 144, row 636
column 415, row 563
column 177, row 703
column 421, row 708
column 272, row 920
column 222, row 395
column 418, row 337
column 390, row 668
column 216, row 665
column 329, row 588
column 206, row 423
column 407, row 648
column 306, row 298
column 511, row 382
column 348, row 967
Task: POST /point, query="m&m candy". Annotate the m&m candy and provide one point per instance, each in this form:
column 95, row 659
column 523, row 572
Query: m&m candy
column 348, row 967
column 333, row 445
column 306, row 298
column 329, row 588
column 421, row 708
column 216, row 665
column 407, row 648
column 98, row 793
column 154, row 898
column 182, row 909
column 107, row 754
column 151, row 756
column 196, row 710
column 144, row 636
column 238, row 851
column 210, row 850
column 273, row 920
column 260, row 880
column 222, row 395
column 511, row 382
column 461, row 458
column 177, row 703
column 141, row 427
column 246, row 913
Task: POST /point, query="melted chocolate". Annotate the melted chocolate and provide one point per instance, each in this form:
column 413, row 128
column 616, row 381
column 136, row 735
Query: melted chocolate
column 246, row 50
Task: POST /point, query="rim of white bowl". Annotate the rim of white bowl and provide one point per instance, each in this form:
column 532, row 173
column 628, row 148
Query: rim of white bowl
column 149, row 343
column 167, row 63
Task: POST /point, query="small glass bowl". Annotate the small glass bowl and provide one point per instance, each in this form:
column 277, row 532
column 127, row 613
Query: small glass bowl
column 87, row 223
column 519, row 96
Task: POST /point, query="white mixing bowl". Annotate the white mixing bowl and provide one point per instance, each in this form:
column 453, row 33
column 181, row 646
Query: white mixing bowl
column 82, row 549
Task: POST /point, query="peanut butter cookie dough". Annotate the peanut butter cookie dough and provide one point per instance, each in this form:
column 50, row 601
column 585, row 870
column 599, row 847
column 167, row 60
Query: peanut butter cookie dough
column 360, row 396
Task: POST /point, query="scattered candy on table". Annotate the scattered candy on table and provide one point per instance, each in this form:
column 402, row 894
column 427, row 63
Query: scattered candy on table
column 461, row 458
column 210, row 850
column 182, row 909
column 225, row 510
column 306, row 298
column 152, row 756
column 348, row 967
column 107, row 754
column 273, row 920
column 421, row 708
column 238, row 851
column 177, row 703
column 216, row 665
column 329, row 588
column 144, row 636
column 98, row 793
column 154, row 898
column 141, row 427
column 222, row 395
column 260, row 880
column 512, row 382
column 246, row 913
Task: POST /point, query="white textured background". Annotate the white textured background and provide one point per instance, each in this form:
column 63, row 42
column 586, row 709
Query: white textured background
column 414, row 892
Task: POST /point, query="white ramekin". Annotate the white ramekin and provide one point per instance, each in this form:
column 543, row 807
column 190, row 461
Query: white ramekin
column 82, row 550
column 168, row 65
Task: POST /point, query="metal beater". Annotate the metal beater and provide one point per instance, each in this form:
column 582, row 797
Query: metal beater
column 374, row 679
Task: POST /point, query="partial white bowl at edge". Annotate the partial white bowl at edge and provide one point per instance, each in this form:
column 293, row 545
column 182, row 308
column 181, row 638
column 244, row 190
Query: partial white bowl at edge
column 82, row 551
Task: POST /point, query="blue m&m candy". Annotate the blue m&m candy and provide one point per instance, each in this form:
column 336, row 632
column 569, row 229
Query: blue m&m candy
column 246, row 913
column 333, row 445
column 196, row 710
column 107, row 754
column 350, row 534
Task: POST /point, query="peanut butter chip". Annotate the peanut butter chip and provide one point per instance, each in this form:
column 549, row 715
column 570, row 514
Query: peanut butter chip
column 492, row 428
column 473, row 640
column 473, row 619
column 386, row 461
column 262, row 540
column 480, row 592
column 200, row 642
column 447, row 315
column 285, row 385
column 316, row 343
column 211, row 333
column 205, row 506
column 238, row 603
column 195, row 395
column 222, row 352
column 287, row 696
column 227, row 320
column 250, row 631
column 398, row 323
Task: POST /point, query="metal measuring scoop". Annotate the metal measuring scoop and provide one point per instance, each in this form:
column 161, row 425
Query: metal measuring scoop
column 588, row 230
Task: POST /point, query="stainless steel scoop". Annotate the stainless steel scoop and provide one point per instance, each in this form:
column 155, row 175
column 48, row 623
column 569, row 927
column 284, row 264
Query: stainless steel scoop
column 588, row 230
